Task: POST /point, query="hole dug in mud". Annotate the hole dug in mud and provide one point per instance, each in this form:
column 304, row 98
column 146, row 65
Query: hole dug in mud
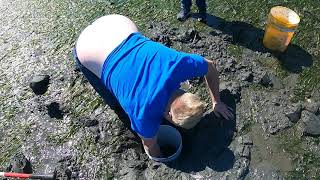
column 206, row 145
column 54, row 110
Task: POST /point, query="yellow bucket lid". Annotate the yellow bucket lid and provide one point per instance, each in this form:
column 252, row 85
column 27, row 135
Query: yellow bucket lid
column 285, row 16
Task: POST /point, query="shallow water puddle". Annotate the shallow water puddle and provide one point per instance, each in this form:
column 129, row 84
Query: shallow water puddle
column 266, row 151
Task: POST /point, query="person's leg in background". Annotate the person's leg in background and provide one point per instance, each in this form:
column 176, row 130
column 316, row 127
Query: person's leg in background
column 185, row 10
column 201, row 4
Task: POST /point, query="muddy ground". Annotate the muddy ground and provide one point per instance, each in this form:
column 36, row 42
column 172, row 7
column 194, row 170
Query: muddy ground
column 65, row 127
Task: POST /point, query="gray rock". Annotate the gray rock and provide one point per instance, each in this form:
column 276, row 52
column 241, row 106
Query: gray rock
column 293, row 112
column 311, row 123
column 39, row 84
column 270, row 80
column 312, row 107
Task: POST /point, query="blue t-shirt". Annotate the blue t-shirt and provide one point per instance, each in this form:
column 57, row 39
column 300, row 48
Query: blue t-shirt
column 143, row 74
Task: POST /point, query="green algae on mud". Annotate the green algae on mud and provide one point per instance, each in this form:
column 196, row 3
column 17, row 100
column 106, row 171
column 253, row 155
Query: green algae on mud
column 254, row 12
column 306, row 161
column 309, row 82
column 266, row 150
column 70, row 17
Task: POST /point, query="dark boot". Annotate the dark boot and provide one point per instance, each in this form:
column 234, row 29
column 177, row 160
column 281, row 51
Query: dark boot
column 202, row 6
column 183, row 15
column 185, row 10
column 202, row 16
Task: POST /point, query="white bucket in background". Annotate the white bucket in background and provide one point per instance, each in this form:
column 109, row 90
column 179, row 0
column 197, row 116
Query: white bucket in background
column 168, row 136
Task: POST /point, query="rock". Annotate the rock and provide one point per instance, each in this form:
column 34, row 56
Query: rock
column 270, row 80
column 312, row 107
column 240, row 66
column 293, row 112
column 39, row 84
column 311, row 123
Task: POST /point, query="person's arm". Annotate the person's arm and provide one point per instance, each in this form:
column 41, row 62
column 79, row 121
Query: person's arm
column 151, row 146
column 212, row 80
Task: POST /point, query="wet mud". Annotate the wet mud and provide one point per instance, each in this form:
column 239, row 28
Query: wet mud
column 68, row 129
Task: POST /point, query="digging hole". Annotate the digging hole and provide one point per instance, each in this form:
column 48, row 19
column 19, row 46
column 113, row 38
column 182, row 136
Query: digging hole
column 54, row 110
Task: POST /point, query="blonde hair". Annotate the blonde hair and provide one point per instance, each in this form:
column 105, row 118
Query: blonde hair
column 189, row 113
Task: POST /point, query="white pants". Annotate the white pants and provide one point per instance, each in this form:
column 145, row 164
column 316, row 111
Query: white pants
column 98, row 40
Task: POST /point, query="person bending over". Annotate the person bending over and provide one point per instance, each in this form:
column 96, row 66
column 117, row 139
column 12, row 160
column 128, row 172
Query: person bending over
column 145, row 76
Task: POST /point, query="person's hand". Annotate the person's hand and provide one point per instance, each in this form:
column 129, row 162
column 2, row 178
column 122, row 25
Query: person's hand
column 151, row 147
column 220, row 109
column 154, row 150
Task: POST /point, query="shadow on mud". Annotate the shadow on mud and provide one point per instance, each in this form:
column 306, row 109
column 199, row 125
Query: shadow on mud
column 206, row 145
column 294, row 59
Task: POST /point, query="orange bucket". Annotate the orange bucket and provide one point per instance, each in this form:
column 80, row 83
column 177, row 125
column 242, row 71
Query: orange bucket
column 281, row 25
